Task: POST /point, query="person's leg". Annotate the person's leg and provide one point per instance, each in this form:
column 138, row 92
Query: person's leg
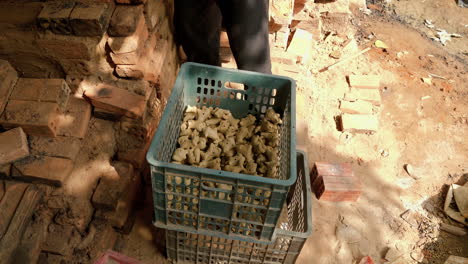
column 197, row 24
column 246, row 23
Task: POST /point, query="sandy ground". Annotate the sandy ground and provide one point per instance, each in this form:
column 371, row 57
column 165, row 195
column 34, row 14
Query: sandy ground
column 420, row 124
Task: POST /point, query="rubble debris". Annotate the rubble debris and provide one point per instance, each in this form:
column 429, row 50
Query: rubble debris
column 427, row 80
column 381, row 45
column 461, row 199
column 449, row 210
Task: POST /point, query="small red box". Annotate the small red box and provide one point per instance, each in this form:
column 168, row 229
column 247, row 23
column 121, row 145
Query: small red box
column 335, row 182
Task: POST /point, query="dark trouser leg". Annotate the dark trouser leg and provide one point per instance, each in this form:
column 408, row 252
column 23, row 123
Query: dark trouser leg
column 198, row 24
column 246, row 23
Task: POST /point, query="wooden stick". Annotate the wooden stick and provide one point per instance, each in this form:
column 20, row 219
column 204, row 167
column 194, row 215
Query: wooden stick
column 345, row 59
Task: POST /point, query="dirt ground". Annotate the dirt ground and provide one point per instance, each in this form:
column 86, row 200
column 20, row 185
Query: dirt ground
column 421, row 124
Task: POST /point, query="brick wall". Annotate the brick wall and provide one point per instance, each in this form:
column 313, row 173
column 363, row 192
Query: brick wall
column 82, row 87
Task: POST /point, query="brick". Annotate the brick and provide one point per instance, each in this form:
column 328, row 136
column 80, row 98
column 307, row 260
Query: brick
column 61, row 239
column 65, row 49
column 74, row 122
column 29, row 249
column 125, row 205
column 301, row 44
column 124, row 21
column 112, row 185
column 364, row 81
column 106, row 115
column 336, row 22
column 42, row 169
column 91, row 19
column 18, row 224
column 8, row 79
column 36, row 118
column 19, row 14
column 8, row 204
column 282, row 37
column 61, row 147
column 370, row 95
column 42, row 90
column 14, row 145
column 130, row 71
column 312, row 25
column 116, row 100
column 359, row 123
column 337, row 188
column 356, row 107
column 104, row 240
column 133, row 46
column 54, row 16
column 280, row 56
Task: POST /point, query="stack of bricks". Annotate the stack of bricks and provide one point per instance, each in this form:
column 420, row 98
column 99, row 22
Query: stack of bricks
column 335, row 182
column 82, row 88
column 360, row 106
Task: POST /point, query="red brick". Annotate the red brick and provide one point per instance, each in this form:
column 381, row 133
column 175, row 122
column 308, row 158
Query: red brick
column 124, row 20
column 364, row 81
column 359, row 123
column 116, row 100
column 8, row 79
column 91, row 19
column 356, row 107
column 14, row 145
column 337, row 188
column 370, row 95
column 61, row 239
column 61, row 147
column 36, row 118
column 333, row 169
column 136, row 41
column 282, row 37
column 18, row 224
column 112, row 186
column 42, row 169
column 8, row 204
column 54, row 16
column 311, row 25
column 74, row 122
column 42, row 90
column 65, row 49
column 106, row 115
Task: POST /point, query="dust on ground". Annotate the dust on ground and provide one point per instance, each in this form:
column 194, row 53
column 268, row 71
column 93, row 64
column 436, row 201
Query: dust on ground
column 420, row 124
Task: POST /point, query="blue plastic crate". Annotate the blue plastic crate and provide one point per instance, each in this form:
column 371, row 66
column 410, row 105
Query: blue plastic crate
column 290, row 236
column 190, row 199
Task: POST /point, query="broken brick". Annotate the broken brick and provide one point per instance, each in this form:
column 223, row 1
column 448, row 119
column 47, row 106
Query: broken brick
column 8, row 204
column 106, row 115
column 61, row 147
column 36, row 118
column 359, row 123
column 301, row 44
column 14, row 145
column 116, row 100
column 54, row 16
column 130, row 71
column 364, row 81
column 8, row 79
column 337, row 188
column 91, row 19
column 371, row 95
column 74, row 121
column 42, row 169
column 356, row 107
column 61, row 239
column 124, row 21
column 311, row 25
column 112, row 185
column 42, row 90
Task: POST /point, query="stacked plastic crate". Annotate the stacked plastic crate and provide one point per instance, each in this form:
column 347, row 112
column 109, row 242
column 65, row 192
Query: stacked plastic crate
column 213, row 216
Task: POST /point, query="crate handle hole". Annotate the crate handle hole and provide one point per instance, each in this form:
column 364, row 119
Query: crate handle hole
column 235, row 85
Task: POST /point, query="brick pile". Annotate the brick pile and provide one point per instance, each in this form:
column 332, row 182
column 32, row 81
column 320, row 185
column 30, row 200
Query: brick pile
column 82, row 89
